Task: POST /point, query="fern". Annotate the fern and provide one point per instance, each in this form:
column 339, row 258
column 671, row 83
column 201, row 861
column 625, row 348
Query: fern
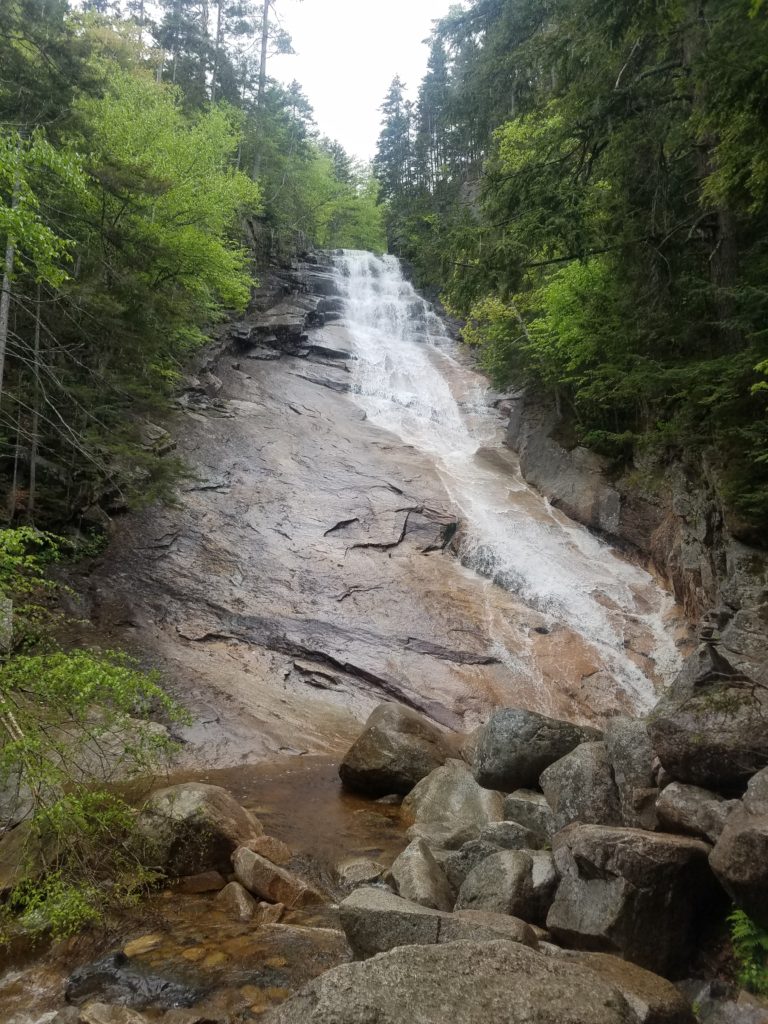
column 750, row 946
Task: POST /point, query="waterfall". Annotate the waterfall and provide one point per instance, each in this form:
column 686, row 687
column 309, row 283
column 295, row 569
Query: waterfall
column 410, row 379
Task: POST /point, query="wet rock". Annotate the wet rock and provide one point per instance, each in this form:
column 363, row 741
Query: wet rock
column 269, row 913
column 740, row 856
column 375, row 921
column 631, row 757
column 510, row 835
column 653, row 999
column 457, row 864
column 642, row 895
column 418, row 877
column 448, row 808
column 580, row 787
column 466, row 982
column 358, row 871
column 104, row 1013
column 517, row 745
column 530, row 809
column 206, row 881
column 518, row 882
column 397, row 748
column 265, row 879
column 194, row 827
column 694, row 811
column 273, row 849
column 709, row 728
column 468, row 744
column 116, row 979
column 237, row 902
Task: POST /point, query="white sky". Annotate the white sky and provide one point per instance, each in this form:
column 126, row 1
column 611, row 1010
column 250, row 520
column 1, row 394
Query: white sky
column 348, row 52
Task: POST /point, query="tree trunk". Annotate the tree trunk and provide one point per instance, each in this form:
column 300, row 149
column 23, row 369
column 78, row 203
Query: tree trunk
column 35, row 430
column 216, row 52
column 262, row 88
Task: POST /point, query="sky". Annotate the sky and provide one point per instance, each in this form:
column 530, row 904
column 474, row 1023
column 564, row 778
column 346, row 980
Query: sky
column 348, row 52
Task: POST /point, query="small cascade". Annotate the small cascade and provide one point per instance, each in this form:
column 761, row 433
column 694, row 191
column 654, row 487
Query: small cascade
column 411, row 380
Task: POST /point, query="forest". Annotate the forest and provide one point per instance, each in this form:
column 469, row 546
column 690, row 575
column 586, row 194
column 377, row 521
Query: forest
column 149, row 169
column 586, row 183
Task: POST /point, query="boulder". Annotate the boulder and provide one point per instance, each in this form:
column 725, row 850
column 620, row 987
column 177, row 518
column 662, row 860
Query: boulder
column 517, row 745
column 740, row 856
column 580, row 787
column 510, row 835
column 418, row 877
column 631, row 757
column 709, row 728
column 356, row 871
column 694, row 811
column 106, row 1013
column 518, row 882
column 237, row 902
column 193, row 827
column 265, row 879
column 530, row 808
column 642, row 895
column 273, row 849
column 457, row 864
column 375, row 921
column 397, row 748
column 448, row 808
column 467, row 982
column 653, row 999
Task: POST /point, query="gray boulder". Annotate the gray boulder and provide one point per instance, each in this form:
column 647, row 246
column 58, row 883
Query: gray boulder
column 500, row 982
column 510, row 835
column 653, row 999
column 375, row 920
column 740, row 856
column 709, row 728
column 193, row 827
column 396, row 749
column 457, row 864
column 354, row 871
column 448, row 808
column 631, row 757
column 694, row 811
column 418, row 877
column 518, row 882
column 517, row 745
column 641, row 895
column 530, row 808
column 580, row 787
column 270, row 882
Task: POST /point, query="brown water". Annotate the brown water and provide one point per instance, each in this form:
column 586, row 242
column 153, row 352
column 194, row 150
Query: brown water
column 243, row 969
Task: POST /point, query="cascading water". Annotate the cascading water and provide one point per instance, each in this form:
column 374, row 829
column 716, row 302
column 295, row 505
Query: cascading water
column 409, row 381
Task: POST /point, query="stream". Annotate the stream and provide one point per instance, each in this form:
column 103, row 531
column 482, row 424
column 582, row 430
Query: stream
column 354, row 531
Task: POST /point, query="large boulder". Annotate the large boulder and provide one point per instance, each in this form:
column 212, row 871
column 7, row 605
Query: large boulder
column 517, row 745
column 418, row 877
column 580, row 787
column 467, row 982
column 375, row 920
column 396, row 749
column 193, row 827
column 638, row 894
column 653, row 999
column 270, row 882
column 694, row 811
column 510, row 835
column 631, row 757
column 530, row 809
column 518, row 882
column 457, row 864
column 740, row 856
column 448, row 808
column 709, row 728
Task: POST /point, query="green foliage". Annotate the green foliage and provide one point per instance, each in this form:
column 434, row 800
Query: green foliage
column 750, row 946
column 587, row 183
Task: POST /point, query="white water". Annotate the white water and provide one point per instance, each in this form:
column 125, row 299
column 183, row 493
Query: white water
column 408, row 381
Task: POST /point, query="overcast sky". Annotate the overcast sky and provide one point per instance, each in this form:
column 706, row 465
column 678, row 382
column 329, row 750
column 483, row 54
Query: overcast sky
column 347, row 53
